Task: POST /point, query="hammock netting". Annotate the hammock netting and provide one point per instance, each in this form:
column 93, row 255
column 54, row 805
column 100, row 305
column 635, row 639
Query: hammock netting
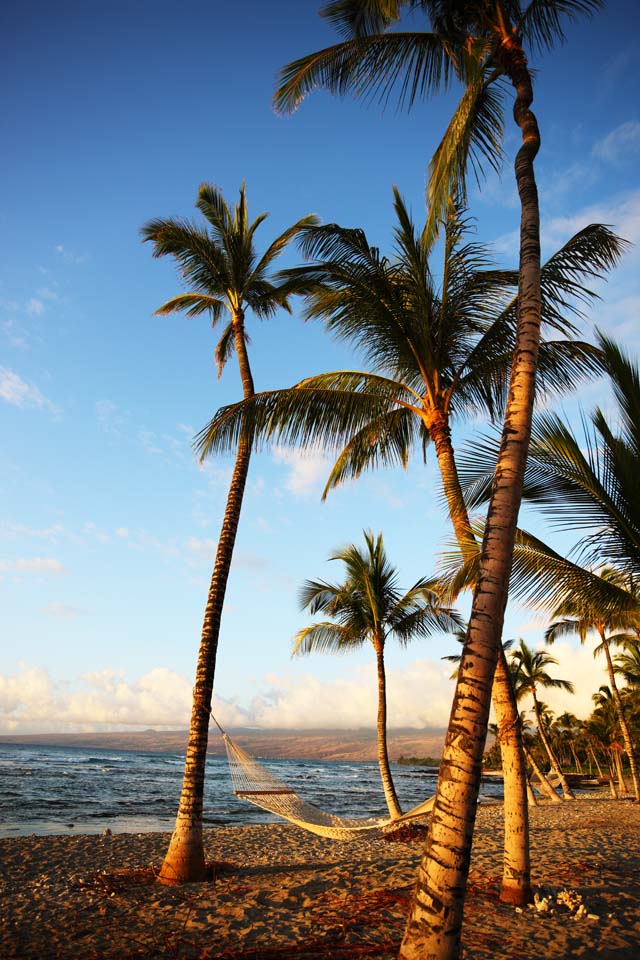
column 258, row 785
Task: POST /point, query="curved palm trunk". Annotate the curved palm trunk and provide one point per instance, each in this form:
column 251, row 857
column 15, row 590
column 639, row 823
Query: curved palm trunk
column 184, row 861
column 516, row 876
column 383, row 755
column 546, row 743
column 543, row 784
column 622, row 720
column 434, row 925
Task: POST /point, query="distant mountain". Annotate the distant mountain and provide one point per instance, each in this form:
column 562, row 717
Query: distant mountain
column 289, row 744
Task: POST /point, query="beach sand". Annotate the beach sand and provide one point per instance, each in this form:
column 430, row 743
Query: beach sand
column 279, row 892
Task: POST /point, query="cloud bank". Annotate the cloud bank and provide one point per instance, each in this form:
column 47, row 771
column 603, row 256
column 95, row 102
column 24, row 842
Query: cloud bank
column 419, row 695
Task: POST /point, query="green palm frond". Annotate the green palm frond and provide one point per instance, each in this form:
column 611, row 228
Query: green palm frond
column 473, row 137
column 384, row 441
column 354, row 18
column 324, row 411
column 274, row 249
column 194, row 304
column 413, row 64
column 325, row 637
column 224, row 348
column 541, row 22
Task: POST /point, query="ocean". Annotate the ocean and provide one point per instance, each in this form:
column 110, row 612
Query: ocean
column 47, row 790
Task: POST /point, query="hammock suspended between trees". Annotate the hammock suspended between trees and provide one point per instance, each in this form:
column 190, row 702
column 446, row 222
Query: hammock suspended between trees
column 258, row 785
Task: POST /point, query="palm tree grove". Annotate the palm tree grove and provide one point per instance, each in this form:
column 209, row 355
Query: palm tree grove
column 428, row 459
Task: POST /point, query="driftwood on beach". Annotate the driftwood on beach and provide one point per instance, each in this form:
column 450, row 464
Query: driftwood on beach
column 277, row 892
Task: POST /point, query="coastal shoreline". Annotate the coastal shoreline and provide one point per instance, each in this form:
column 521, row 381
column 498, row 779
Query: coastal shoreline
column 278, row 892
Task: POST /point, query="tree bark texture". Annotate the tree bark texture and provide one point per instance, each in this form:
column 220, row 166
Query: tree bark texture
column 622, row 719
column 184, row 861
column 516, row 876
column 434, row 925
column 383, row 754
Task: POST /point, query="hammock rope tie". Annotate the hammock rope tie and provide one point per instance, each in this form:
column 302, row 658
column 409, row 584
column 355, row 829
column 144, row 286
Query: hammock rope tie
column 258, row 785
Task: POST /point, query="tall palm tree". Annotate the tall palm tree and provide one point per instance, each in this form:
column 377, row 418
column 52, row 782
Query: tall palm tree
column 436, row 354
column 368, row 607
column 532, row 674
column 578, row 619
column 480, row 42
column 225, row 275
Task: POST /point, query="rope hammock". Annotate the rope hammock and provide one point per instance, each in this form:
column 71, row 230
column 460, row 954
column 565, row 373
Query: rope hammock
column 256, row 784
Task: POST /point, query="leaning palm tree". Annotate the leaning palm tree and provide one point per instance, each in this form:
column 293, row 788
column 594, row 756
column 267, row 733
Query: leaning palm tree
column 436, row 354
column 532, row 674
column 577, row 619
column 369, row 607
column 480, row 43
column 219, row 264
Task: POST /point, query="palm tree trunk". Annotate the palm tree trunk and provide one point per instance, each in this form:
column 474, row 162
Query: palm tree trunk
column 553, row 760
column 516, row 872
column 544, row 786
column 622, row 720
column 184, row 861
column 383, row 755
column 576, row 758
column 516, row 875
column 435, row 919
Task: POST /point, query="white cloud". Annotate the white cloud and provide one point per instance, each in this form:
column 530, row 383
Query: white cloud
column 308, row 470
column 35, row 307
column 201, row 549
column 69, row 257
column 39, row 566
column 621, row 145
column 20, row 393
column 11, row 531
column 60, row 611
column 419, row 695
column 31, row 701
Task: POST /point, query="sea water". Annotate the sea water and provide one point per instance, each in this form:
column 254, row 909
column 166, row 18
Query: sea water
column 78, row 790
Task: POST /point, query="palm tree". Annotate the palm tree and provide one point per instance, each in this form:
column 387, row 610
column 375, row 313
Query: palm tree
column 578, row 619
column 369, row 607
column 532, row 673
column 627, row 663
column 582, row 483
column 436, row 354
column 219, row 263
column 480, row 42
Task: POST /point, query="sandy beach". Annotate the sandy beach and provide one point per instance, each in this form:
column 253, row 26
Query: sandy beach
column 278, row 892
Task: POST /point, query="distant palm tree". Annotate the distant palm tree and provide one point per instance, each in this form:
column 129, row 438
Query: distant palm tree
column 578, row 619
column 368, row 607
column 531, row 673
column 218, row 261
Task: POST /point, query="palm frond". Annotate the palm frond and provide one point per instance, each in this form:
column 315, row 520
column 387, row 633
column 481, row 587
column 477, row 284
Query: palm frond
column 541, row 23
column 355, row 18
column 224, row 348
column 473, row 139
column 325, row 637
column 413, row 64
column 194, row 304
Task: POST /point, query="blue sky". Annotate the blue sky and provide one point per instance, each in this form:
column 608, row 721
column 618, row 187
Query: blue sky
column 114, row 114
